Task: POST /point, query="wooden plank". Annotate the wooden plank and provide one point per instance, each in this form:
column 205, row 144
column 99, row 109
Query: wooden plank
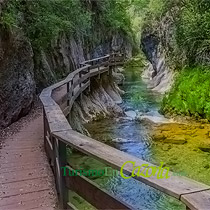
column 62, row 153
column 105, row 69
column 27, row 186
column 49, row 142
column 198, row 200
column 5, row 166
column 78, row 92
column 174, row 186
column 70, row 206
column 24, row 175
column 15, row 201
column 96, row 72
column 49, row 151
column 48, row 101
column 12, row 159
column 46, row 92
column 92, row 193
column 80, row 80
column 27, row 166
column 95, row 59
column 62, row 99
column 56, row 119
column 41, row 203
column 67, row 110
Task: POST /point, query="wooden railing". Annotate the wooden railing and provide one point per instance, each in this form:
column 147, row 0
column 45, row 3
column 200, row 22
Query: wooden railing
column 58, row 134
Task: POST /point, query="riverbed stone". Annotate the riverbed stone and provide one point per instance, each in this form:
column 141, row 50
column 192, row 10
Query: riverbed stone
column 131, row 114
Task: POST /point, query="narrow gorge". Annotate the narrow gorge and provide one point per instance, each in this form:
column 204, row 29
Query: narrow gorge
column 128, row 76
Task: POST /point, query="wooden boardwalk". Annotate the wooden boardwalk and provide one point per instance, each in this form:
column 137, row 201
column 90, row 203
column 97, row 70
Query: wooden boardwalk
column 26, row 179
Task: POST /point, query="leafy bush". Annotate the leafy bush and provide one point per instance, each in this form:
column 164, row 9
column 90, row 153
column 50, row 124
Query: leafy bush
column 190, row 93
column 193, row 27
column 43, row 21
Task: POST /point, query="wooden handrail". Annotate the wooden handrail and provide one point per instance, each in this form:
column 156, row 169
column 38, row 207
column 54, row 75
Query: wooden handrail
column 58, row 134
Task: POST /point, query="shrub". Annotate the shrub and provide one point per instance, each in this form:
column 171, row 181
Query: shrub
column 190, row 93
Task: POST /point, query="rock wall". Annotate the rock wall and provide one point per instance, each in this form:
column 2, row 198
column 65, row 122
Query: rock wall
column 24, row 72
column 159, row 46
column 161, row 80
column 17, row 85
column 99, row 102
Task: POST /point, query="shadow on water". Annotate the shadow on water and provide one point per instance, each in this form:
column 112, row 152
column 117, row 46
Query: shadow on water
column 129, row 136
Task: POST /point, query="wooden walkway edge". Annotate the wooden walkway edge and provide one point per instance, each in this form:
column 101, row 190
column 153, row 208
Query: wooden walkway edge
column 26, row 179
column 59, row 135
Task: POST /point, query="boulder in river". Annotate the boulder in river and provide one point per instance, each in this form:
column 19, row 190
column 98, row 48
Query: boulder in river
column 131, row 114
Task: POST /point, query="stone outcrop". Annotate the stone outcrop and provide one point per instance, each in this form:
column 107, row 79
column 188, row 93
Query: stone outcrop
column 160, row 80
column 159, row 45
column 17, row 85
column 25, row 72
column 98, row 103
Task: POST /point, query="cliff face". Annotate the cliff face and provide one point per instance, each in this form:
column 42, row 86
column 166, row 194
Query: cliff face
column 25, row 71
column 68, row 52
column 159, row 46
column 17, row 85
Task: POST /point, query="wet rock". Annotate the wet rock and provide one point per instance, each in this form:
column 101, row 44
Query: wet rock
column 154, row 119
column 128, row 109
column 131, row 114
column 121, row 119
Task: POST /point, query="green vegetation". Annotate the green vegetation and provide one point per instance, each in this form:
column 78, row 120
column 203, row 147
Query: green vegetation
column 190, row 93
column 193, row 27
column 188, row 49
column 43, row 21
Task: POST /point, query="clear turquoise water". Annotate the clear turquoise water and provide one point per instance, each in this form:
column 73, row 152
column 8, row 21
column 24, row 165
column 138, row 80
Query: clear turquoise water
column 135, row 142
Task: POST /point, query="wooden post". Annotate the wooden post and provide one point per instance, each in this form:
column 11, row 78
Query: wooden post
column 89, row 78
column 45, row 128
column 80, row 75
column 60, row 161
column 72, row 83
column 114, row 62
column 99, row 76
column 67, row 93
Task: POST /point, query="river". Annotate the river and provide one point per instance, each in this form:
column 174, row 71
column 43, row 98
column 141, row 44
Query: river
column 133, row 137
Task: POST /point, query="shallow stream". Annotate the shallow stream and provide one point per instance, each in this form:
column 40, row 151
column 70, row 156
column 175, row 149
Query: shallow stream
column 182, row 147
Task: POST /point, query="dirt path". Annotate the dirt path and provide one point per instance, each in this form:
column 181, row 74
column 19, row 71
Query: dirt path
column 26, row 179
